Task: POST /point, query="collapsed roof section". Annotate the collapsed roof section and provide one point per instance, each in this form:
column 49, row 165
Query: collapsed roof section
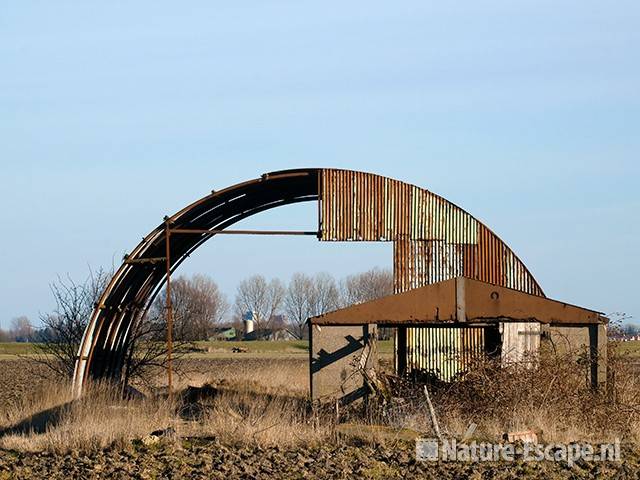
column 460, row 300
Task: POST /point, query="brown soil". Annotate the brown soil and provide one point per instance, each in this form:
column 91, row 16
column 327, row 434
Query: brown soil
column 209, row 459
column 19, row 378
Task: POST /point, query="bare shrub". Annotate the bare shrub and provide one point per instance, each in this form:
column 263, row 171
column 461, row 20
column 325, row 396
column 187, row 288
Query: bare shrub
column 199, row 305
column 64, row 327
column 554, row 398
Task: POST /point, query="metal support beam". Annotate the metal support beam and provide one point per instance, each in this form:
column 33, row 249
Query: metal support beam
column 145, row 260
column 243, row 232
column 169, row 306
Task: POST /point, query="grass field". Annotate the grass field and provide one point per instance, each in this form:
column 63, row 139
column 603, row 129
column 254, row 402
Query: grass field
column 12, row 349
column 216, row 349
column 631, row 349
column 247, row 415
column 277, row 346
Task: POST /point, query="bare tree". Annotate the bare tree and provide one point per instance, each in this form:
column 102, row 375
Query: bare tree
column 326, row 294
column 198, row 306
column 21, row 329
column 146, row 347
column 64, row 327
column 298, row 303
column 60, row 338
column 263, row 298
column 309, row 296
column 4, row 336
column 365, row 286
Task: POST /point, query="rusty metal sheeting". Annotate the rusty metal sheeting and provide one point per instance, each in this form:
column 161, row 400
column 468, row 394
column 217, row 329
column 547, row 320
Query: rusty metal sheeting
column 459, row 301
column 434, row 240
column 428, row 304
column 424, row 262
column 445, row 352
column 360, row 206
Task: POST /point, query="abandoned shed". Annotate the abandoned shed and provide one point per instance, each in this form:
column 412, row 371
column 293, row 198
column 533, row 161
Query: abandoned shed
column 435, row 243
column 442, row 329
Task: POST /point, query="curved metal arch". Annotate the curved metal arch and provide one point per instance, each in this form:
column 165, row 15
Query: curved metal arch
column 420, row 224
column 135, row 285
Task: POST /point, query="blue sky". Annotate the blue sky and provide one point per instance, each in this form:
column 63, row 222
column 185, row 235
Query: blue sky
column 113, row 114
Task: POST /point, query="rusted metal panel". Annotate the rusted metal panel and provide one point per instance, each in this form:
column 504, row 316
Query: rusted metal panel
column 435, row 302
column 446, row 301
column 487, row 301
column 434, row 240
column 444, row 352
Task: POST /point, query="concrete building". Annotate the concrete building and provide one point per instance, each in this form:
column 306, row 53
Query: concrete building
column 442, row 328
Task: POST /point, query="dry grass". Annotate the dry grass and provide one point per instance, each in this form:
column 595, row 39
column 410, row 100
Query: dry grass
column 262, row 402
column 555, row 399
column 238, row 417
column 258, row 375
column 51, row 421
column 250, row 405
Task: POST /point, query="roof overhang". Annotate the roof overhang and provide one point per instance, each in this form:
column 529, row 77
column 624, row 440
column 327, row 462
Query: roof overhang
column 460, row 300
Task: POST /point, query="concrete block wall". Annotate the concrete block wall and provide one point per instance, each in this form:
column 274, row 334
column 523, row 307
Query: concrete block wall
column 587, row 341
column 337, row 355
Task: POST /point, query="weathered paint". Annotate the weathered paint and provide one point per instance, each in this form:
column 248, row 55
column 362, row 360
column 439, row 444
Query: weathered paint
column 520, row 342
column 434, row 240
column 446, row 325
column 460, row 300
column 339, row 355
column 444, row 352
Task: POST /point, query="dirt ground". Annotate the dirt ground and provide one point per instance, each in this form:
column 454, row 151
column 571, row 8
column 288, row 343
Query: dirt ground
column 209, row 458
column 19, row 378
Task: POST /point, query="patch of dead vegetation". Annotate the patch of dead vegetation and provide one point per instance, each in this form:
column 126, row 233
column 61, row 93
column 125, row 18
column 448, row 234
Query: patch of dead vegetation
column 260, row 409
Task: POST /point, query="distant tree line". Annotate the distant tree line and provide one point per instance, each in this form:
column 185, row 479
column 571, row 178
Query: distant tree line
column 199, row 309
column 20, row 330
column 199, row 306
column 630, row 330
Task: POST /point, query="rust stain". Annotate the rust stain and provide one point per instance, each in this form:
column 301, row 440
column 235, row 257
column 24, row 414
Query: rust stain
column 434, row 240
